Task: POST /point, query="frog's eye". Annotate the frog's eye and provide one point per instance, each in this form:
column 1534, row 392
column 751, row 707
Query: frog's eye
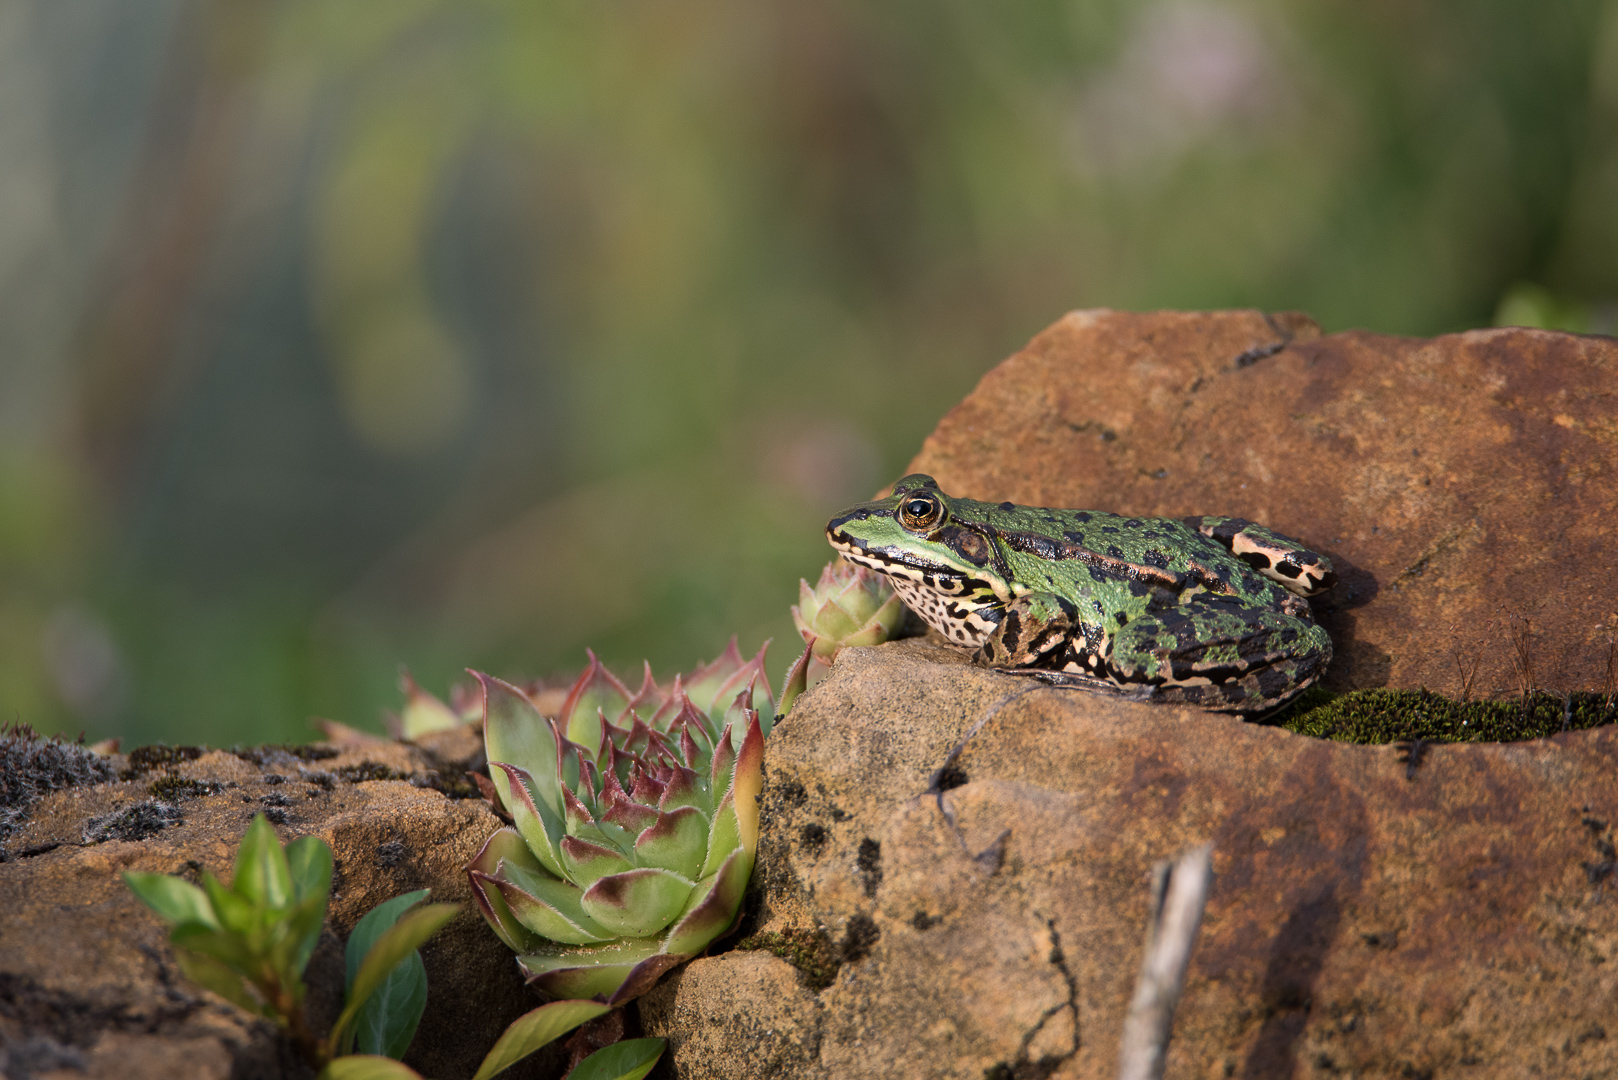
column 920, row 512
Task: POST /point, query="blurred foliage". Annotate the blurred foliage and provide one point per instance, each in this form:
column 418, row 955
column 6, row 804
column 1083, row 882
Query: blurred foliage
column 470, row 334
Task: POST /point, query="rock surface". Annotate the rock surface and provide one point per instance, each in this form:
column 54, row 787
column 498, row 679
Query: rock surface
column 88, row 985
column 1457, row 482
column 984, row 907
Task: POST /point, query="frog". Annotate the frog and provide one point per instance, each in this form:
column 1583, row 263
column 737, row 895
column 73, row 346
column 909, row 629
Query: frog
column 1207, row 611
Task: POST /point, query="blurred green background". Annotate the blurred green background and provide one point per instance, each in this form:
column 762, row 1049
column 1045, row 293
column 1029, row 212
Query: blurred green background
column 335, row 335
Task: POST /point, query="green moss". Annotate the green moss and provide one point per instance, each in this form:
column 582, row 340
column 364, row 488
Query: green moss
column 369, row 770
column 171, row 788
column 1387, row 716
column 810, row 951
column 143, row 759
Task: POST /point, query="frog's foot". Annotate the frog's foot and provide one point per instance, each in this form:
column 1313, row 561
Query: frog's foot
column 1227, row 657
column 1032, row 630
column 1279, row 558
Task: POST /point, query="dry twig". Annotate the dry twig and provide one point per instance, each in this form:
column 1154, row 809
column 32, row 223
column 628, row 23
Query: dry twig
column 1179, row 894
column 1522, row 659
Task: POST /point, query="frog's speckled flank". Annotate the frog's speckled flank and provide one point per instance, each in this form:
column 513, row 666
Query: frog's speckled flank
column 1204, row 610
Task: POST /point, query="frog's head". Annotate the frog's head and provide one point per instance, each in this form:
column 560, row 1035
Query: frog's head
column 919, row 535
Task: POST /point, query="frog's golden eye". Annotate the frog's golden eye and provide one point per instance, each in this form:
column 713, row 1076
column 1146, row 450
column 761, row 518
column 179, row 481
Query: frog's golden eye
column 920, row 512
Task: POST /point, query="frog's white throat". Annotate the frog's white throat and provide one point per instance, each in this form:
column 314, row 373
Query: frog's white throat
column 948, row 601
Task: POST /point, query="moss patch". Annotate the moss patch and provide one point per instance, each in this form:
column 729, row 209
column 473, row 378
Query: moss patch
column 31, row 766
column 1389, row 716
column 171, row 788
column 810, row 951
column 143, row 759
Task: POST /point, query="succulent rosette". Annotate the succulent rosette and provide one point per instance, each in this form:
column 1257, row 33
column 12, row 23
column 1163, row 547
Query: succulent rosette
column 850, row 605
column 634, row 822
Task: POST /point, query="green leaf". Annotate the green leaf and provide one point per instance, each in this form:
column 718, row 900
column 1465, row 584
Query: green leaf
column 174, row 899
column 391, row 949
column 262, row 873
column 300, row 935
column 230, row 949
column 367, row 1067
column 309, row 861
column 232, row 911
column 375, row 922
column 534, row 1029
column 627, row 1060
column 389, row 1019
column 223, row 980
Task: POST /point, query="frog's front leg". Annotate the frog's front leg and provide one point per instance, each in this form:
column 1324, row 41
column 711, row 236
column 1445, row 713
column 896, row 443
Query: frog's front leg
column 1032, row 631
column 1220, row 653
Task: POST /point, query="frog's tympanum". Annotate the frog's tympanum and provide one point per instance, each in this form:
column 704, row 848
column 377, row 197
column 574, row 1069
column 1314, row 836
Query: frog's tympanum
column 1204, row 610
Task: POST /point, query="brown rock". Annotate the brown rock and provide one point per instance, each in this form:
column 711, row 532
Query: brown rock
column 1456, row 482
column 87, row 980
column 1364, row 921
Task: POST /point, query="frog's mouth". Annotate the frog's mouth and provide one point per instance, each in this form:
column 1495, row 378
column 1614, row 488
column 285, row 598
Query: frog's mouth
column 883, row 558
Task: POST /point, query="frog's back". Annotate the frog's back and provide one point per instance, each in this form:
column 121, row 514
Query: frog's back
column 1174, row 545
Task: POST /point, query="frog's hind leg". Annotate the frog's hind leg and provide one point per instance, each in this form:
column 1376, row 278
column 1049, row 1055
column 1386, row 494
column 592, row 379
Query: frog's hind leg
column 1280, row 558
column 1223, row 655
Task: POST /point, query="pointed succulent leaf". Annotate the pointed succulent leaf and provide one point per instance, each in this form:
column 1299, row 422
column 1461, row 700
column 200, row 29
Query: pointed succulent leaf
column 647, row 699
column 581, row 973
column 514, row 732
column 584, row 863
column 262, row 875
column 630, row 815
column 505, row 845
column 486, row 892
column 797, row 680
column 748, row 678
column 682, row 790
column 549, row 907
column 640, row 978
column 677, row 841
column 175, row 900
column 747, row 780
column 702, row 685
column 827, row 620
column 541, row 827
column 630, row 1059
column 716, row 909
column 423, row 713
column 535, row 1029
column 724, row 836
column 221, row 978
column 597, row 693
column 724, row 761
column 638, row 903
column 367, row 1067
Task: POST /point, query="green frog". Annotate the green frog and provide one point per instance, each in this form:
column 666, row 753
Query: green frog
column 1210, row 611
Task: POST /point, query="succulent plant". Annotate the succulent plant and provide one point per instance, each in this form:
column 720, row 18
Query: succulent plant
column 635, row 822
column 850, row 605
column 424, row 713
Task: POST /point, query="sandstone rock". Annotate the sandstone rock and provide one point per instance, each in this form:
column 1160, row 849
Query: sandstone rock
column 1456, row 482
column 87, row 981
column 988, row 903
